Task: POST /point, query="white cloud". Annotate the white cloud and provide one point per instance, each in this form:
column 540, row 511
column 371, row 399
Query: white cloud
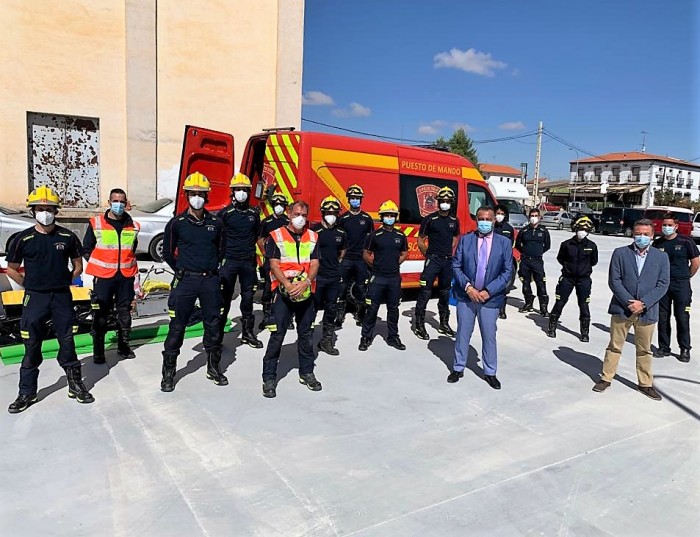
column 316, row 98
column 512, row 126
column 353, row 110
column 432, row 128
column 467, row 128
column 471, row 61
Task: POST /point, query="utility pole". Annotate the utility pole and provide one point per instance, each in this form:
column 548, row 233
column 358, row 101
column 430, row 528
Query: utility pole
column 536, row 189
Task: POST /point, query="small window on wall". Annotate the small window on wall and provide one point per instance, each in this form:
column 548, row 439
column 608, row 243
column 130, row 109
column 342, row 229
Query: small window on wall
column 478, row 197
column 418, row 196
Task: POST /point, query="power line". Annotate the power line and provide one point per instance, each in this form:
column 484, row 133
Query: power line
column 408, row 140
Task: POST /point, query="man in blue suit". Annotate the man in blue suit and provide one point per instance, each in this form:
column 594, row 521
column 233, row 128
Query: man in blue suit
column 639, row 276
column 482, row 268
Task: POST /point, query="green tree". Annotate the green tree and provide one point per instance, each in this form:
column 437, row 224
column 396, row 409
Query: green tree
column 461, row 144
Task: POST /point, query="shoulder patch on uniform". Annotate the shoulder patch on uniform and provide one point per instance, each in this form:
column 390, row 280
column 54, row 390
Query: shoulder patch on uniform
column 30, row 236
column 434, row 217
column 180, row 217
column 64, row 234
column 453, row 217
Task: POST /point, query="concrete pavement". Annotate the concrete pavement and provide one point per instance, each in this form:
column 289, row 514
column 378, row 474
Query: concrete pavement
column 388, row 448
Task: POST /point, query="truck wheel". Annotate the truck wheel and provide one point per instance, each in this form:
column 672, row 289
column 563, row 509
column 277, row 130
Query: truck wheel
column 628, row 232
column 155, row 249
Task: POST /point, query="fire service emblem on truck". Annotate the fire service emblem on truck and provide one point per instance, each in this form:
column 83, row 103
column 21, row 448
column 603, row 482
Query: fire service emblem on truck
column 427, row 199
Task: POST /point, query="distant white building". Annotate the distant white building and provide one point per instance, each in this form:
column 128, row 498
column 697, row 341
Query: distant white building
column 505, row 182
column 635, row 176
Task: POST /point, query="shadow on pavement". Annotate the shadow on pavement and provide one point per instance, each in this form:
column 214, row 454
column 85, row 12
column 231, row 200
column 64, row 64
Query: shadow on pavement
column 589, row 365
column 675, row 401
column 444, row 348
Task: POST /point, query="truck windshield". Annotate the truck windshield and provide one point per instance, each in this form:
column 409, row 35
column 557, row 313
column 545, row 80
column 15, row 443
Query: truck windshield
column 513, row 206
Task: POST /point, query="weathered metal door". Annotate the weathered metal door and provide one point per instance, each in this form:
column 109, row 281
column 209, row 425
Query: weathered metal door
column 64, row 154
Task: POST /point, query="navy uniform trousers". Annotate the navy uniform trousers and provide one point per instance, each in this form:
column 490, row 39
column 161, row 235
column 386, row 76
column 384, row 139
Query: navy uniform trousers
column 185, row 291
column 106, row 293
column 583, row 293
column 532, row 268
column 38, row 308
column 386, row 289
column 283, row 310
column 326, row 297
column 244, row 271
column 439, row 267
column 676, row 300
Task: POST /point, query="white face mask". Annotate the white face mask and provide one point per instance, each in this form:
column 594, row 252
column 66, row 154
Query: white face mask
column 45, row 218
column 299, row 222
column 279, row 209
column 500, row 218
column 197, row 202
column 582, row 234
column 330, row 219
column 445, row 206
column 240, row 195
column 534, row 220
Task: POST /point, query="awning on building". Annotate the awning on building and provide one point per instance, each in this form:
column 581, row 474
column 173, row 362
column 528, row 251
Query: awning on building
column 515, row 191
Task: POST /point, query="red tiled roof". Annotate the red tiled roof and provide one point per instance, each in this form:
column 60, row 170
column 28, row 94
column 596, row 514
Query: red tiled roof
column 498, row 169
column 633, row 155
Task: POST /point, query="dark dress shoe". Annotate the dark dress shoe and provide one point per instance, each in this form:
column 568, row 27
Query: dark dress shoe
column 661, row 353
column 684, row 356
column 493, row 381
column 454, row 376
column 650, row 392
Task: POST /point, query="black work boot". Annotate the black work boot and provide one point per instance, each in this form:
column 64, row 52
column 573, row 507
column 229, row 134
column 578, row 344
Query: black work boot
column 269, row 389
column 527, row 306
column 502, row 312
column 267, row 311
column 309, row 380
column 365, row 342
column 326, row 343
column 543, row 307
column 444, row 327
column 248, row 337
column 123, row 348
column 340, row 314
column 22, row 403
column 585, row 325
column 553, row 321
column 360, row 315
column 76, row 388
column 419, row 325
column 98, row 348
column 168, row 382
column 214, row 370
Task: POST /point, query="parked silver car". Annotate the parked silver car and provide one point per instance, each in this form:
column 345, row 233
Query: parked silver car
column 153, row 217
column 11, row 223
column 518, row 220
column 559, row 220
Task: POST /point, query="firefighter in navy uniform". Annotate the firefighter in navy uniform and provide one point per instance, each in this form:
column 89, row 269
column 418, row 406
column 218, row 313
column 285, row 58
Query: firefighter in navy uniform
column 503, row 227
column 109, row 246
column 385, row 250
column 331, row 249
column 684, row 259
column 532, row 242
column 194, row 243
column 293, row 254
column 276, row 220
column 577, row 257
column 242, row 225
column 46, row 249
column 357, row 225
column 441, row 229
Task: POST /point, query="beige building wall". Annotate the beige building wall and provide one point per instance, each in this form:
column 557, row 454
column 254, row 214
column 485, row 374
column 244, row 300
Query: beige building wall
column 146, row 69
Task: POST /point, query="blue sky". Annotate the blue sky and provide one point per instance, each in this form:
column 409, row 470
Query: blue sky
column 596, row 72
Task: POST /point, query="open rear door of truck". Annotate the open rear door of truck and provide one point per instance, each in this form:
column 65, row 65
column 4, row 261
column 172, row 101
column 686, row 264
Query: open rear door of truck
column 210, row 153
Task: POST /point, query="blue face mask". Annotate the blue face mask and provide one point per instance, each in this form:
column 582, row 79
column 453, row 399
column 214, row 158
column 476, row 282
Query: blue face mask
column 642, row 241
column 355, row 204
column 668, row 230
column 484, row 226
column 117, row 208
column 389, row 220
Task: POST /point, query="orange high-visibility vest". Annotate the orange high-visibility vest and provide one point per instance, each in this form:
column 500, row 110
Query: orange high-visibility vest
column 113, row 251
column 294, row 262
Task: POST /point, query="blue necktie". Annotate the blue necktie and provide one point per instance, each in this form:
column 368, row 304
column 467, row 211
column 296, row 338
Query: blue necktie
column 481, row 265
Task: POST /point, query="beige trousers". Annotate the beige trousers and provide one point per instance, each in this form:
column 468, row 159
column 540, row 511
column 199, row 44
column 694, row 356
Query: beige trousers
column 643, row 333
